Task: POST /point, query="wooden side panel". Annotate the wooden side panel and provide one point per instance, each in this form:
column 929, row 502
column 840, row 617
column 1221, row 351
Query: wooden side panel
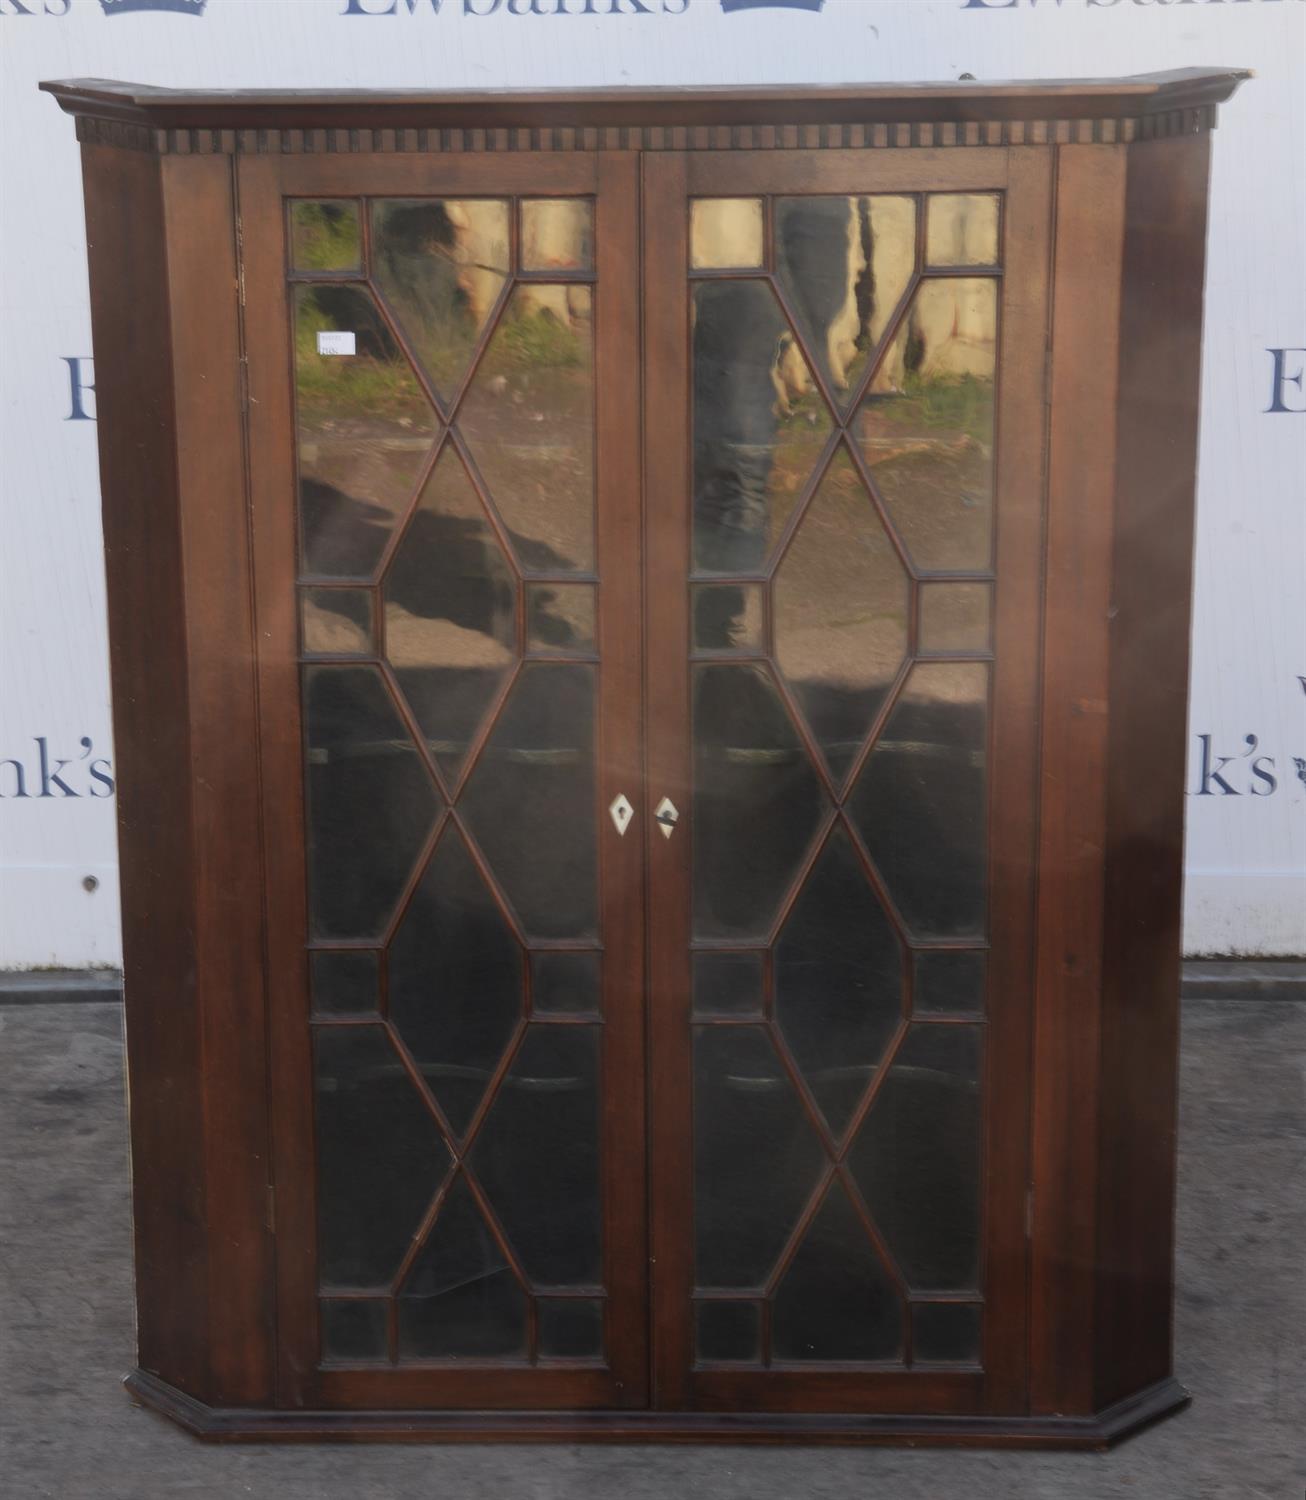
column 1156, row 460
column 224, row 772
column 147, row 647
column 1072, row 835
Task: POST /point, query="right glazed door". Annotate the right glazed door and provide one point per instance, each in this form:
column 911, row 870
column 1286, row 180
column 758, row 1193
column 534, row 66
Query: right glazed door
column 844, row 406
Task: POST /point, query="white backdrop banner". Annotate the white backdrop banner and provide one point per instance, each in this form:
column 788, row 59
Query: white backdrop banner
column 1246, row 878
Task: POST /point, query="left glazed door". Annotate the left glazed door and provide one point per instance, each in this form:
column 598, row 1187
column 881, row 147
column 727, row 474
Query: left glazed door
column 444, row 452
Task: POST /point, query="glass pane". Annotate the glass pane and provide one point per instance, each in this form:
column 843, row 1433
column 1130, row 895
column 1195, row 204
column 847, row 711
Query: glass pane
column 455, row 981
column 725, row 232
column 450, row 613
column 530, row 801
column 557, row 234
column 760, row 425
column 356, row 1330
column 371, row 802
column 461, row 1298
column 727, row 617
column 921, row 803
column 528, row 418
column 836, row 1301
column 946, row 1333
column 728, row 984
column 324, row 235
column 757, row 802
column 917, row 1157
column 926, row 429
column 841, row 601
column 728, row 1331
column 560, row 617
column 962, row 229
column 380, row 1157
column 838, row 982
column 566, row 983
column 571, row 1327
column 955, row 616
column 364, row 431
column 441, row 265
column 537, row 1155
column 756, row 1157
column 949, row 981
column 844, row 264
column 337, row 622
column 344, row 983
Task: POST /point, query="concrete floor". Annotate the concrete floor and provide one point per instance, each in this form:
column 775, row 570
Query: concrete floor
column 68, row 1431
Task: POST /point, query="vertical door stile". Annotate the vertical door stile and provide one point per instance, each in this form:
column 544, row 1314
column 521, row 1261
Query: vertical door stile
column 666, row 459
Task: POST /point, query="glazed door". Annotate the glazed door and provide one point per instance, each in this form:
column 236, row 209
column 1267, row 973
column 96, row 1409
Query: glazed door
column 446, row 348
column 843, row 566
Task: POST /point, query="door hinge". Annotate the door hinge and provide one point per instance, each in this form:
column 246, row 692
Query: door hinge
column 272, row 1209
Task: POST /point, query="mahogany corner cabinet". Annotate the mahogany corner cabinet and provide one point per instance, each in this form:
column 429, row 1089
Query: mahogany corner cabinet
column 649, row 640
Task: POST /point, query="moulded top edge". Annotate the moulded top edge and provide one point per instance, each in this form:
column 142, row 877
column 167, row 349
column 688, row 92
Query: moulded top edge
column 870, row 103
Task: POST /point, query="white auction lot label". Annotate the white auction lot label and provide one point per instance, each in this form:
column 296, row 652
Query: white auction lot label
column 330, row 342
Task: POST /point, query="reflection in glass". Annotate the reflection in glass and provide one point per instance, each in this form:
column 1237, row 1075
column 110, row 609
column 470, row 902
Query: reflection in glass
column 945, row 1333
column 841, row 599
column 838, row 982
column 728, row 1331
column 566, row 983
column 760, row 425
column 560, row 618
column 364, row 429
column 844, row 264
column 337, row 622
column 528, row 418
column 756, row 1157
column 530, row 801
column 379, row 1157
column 455, row 981
column 571, row 1327
column 921, row 803
column 461, row 1297
column 728, row 984
column 441, row 265
column 955, row 617
column 727, row 617
column 962, row 229
column 450, row 612
column 357, row 1329
column 757, row 802
column 537, row 1155
column 926, row 429
column 324, row 235
column 557, row 234
column 916, row 1160
column 344, row 981
column 371, row 802
column 836, row 1300
column 949, row 981
column 725, row 233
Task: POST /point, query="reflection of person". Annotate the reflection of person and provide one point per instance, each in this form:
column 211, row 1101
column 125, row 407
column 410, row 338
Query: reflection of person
column 738, row 330
column 719, row 618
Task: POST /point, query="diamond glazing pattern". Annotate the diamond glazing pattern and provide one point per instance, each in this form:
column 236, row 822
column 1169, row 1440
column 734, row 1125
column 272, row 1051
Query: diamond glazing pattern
column 840, row 789
column 445, row 456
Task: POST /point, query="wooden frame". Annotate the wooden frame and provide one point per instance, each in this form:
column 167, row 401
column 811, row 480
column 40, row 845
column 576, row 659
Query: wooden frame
column 1104, row 185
